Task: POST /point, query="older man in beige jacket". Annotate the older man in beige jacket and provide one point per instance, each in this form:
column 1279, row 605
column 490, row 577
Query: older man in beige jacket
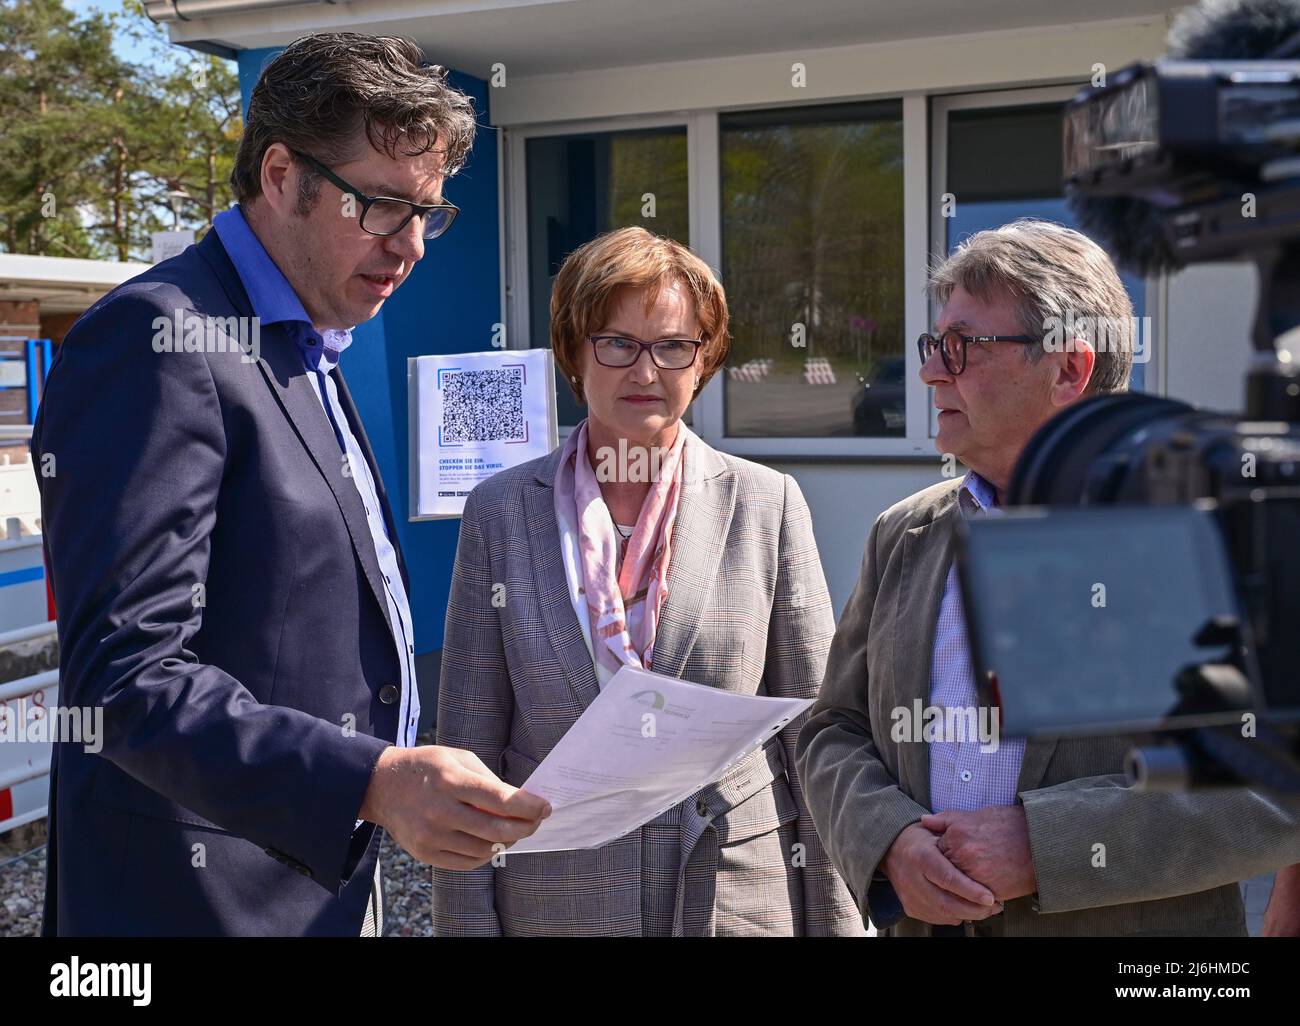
column 1029, row 838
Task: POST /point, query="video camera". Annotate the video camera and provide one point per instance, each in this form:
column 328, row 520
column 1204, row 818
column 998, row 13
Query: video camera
column 1148, row 581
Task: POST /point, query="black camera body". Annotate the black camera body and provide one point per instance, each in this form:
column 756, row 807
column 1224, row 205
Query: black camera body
column 1187, row 521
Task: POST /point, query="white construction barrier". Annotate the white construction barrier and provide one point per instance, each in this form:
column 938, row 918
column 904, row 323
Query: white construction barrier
column 817, row 370
column 24, row 762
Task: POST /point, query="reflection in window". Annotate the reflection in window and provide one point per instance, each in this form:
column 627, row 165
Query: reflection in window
column 582, row 185
column 812, row 259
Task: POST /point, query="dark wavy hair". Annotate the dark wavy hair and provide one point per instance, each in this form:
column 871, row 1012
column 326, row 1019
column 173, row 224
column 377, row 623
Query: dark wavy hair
column 324, row 93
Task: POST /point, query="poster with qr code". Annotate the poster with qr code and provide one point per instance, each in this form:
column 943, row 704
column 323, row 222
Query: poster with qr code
column 472, row 416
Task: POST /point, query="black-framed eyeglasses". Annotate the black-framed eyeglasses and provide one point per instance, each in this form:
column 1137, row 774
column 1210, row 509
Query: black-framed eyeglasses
column 388, row 215
column 623, row 351
column 952, row 346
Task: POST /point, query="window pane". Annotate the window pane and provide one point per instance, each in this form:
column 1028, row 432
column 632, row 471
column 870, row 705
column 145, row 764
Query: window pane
column 812, row 256
column 982, row 143
column 991, row 189
column 582, row 185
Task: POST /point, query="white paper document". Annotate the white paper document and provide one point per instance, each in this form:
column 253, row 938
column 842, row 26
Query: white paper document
column 646, row 743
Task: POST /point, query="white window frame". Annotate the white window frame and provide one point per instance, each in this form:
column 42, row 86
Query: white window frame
column 925, row 128
column 514, row 212
column 705, row 192
column 943, row 105
column 710, row 414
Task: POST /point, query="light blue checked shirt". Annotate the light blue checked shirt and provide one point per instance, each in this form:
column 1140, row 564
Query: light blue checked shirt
column 962, row 777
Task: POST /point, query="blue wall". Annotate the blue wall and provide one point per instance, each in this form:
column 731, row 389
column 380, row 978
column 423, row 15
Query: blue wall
column 447, row 305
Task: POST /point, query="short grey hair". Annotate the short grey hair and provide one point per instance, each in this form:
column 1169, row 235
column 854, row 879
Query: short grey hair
column 1055, row 276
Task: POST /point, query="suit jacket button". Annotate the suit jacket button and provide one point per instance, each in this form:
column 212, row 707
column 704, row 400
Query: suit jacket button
column 701, row 806
column 388, row 694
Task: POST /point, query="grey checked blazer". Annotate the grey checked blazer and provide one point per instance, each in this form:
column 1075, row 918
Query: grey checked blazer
column 747, row 610
column 1172, row 860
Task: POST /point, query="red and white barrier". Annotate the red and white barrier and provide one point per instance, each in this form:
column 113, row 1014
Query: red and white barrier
column 817, row 370
column 25, row 763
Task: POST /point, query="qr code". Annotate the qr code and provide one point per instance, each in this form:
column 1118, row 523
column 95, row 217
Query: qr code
column 483, row 406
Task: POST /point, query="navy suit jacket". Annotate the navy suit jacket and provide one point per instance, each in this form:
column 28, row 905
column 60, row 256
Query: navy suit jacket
column 219, row 596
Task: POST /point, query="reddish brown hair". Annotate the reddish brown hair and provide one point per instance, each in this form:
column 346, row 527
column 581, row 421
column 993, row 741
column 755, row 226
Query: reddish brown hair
column 594, row 275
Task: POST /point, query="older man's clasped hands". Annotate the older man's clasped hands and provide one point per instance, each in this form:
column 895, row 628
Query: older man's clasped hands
column 957, row 866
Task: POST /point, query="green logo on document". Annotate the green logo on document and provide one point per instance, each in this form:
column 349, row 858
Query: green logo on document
column 656, row 698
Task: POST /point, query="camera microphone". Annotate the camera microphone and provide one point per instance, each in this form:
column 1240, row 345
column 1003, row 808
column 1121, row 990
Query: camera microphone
column 1132, row 229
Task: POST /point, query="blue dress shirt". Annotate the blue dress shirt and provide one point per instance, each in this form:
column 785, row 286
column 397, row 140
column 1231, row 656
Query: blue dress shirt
column 275, row 302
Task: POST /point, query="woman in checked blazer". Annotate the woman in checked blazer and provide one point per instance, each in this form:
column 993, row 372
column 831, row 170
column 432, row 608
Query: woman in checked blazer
column 573, row 564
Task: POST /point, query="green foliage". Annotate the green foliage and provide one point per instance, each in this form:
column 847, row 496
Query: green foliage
column 653, row 163
column 91, row 144
column 813, row 234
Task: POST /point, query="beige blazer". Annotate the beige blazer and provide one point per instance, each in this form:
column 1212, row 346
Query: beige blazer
column 747, row 610
column 1171, row 860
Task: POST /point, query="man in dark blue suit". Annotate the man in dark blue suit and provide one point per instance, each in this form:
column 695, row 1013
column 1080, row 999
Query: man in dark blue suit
column 222, row 553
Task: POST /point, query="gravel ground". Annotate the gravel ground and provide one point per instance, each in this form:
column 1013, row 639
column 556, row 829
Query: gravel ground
column 408, row 884
column 408, row 892
column 22, row 880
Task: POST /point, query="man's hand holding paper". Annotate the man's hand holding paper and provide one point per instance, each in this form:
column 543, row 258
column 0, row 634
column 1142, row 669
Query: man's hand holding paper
column 645, row 744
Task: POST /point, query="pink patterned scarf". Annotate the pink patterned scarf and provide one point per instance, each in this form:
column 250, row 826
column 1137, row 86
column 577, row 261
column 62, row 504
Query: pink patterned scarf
column 623, row 603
